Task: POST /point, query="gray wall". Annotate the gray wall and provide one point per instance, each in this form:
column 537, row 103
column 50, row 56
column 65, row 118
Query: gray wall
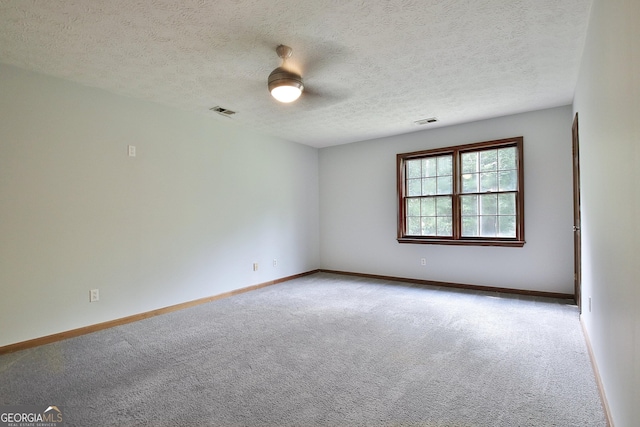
column 202, row 201
column 607, row 100
column 358, row 208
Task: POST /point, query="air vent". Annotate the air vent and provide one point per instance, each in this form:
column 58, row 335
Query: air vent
column 223, row 111
column 426, row 121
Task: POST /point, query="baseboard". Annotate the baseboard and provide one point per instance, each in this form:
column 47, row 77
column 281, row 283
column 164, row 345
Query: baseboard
column 596, row 371
column 136, row 317
column 457, row 285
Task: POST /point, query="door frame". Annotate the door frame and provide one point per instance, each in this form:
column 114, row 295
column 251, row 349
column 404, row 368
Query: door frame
column 577, row 236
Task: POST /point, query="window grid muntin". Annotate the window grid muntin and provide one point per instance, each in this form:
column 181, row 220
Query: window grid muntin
column 428, row 176
column 485, row 177
column 436, row 176
column 440, row 212
column 501, row 216
column 476, row 166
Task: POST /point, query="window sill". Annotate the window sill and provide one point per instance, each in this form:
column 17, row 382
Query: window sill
column 462, row 242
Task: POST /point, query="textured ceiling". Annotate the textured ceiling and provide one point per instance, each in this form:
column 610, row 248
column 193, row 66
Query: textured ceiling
column 371, row 68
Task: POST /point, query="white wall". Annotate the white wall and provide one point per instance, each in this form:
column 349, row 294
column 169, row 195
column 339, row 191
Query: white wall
column 607, row 100
column 184, row 219
column 358, row 208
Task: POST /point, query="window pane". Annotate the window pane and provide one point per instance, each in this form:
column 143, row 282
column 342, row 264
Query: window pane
column 443, row 206
column 445, row 185
column 488, row 226
column 413, row 226
column 469, row 162
column 507, row 204
column 414, row 168
column 445, row 165
column 508, row 180
column 489, row 160
column 428, row 186
column 470, row 226
column 428, row 206
column 413, row 207
column 507, row 226
column 429, row 226
column 488, row 181
column 444, row 227
column 414, row 187
column 488, row 204
column 429, row 166
column 507, row 158
column 470, row 183
column 469, row 205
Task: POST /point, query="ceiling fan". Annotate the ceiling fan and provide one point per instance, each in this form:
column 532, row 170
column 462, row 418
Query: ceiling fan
column 285, row 85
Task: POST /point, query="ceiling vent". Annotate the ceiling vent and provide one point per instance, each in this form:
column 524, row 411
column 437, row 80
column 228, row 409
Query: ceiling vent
column 223, row 111
column 426, row 121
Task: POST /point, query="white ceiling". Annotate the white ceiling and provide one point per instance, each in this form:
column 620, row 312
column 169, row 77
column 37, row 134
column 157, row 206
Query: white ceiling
column 371, row 68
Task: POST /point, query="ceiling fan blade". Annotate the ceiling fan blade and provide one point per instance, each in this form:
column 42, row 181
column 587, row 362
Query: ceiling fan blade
column 319, row 55
column 313, row 98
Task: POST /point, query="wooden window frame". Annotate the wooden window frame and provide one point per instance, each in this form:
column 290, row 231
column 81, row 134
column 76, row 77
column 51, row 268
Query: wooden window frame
column 457, row 238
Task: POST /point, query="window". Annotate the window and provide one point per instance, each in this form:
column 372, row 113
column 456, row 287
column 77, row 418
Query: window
column 469, row 195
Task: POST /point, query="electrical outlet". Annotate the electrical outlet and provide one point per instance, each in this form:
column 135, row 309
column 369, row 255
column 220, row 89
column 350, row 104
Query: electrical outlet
column 255, row 266
column 589, row 304
column 132, row 150
column 423, row 261
column 275, row 262
column 94, row 295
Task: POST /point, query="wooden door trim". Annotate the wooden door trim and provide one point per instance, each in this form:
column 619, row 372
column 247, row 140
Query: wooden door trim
column 577, row 225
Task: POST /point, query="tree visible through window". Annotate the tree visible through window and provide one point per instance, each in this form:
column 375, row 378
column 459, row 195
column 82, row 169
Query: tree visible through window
column 470, row 194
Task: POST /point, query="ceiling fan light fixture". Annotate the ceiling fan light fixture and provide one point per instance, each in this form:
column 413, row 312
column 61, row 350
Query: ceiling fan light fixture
column 286, row 94
column 284, row 85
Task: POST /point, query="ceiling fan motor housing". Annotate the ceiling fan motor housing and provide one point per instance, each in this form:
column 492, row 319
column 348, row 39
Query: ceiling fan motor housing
column 281, row 76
